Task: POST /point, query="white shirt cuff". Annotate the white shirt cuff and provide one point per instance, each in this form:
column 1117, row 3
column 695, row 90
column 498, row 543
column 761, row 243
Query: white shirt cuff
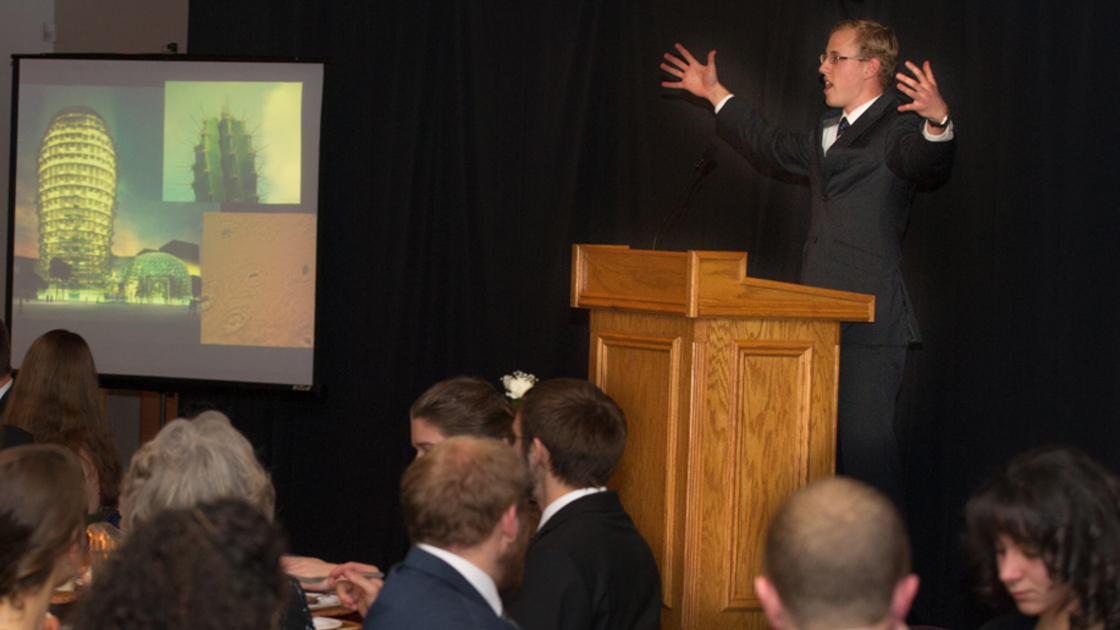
column 945, row 136
column 719, row 106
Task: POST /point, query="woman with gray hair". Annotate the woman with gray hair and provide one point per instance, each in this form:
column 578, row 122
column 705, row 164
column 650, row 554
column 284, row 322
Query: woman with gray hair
column 190, row 462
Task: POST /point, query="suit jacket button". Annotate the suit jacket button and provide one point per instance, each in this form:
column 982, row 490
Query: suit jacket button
column 824, row 198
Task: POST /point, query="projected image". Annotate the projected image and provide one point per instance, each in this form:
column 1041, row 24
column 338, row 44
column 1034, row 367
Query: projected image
column 91, row 229
column 232, row 142
column 167, row 210
column 258, row 288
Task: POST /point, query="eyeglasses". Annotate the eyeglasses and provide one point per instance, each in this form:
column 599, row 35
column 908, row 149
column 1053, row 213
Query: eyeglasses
column 835, row 59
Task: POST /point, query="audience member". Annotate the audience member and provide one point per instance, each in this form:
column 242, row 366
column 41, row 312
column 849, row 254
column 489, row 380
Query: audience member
column 41, row 508
column 212, row 566
column 1045, row 531
column 460, row 406
column 9, row 435
column 57, row 399
column 195, row 461
column 190, row 462
column 587, row 566
column 457, row 406
column 836, row 557
column 460, row 504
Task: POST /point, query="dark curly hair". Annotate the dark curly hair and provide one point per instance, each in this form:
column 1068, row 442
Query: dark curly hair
column 211, row 567
column 1058, row 502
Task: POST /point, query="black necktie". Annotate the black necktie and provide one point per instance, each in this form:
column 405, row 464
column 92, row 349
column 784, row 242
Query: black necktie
column 843, row 127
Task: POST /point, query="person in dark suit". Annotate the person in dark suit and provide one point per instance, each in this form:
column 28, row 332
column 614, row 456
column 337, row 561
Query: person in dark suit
column 836, row 556
column 9, row 435
column 461, row 503
column 587, row 566
column 863, row 163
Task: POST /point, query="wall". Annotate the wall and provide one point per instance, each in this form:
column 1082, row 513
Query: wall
column 21, row 31
column 120, row 26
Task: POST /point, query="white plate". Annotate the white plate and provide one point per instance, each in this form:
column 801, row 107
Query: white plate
column 326, row 623
column 325, row 601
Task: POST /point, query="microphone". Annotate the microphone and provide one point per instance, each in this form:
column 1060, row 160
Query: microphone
column 686, row 195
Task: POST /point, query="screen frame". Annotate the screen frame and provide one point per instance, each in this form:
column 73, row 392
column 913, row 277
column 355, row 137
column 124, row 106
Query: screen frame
column 316, row 390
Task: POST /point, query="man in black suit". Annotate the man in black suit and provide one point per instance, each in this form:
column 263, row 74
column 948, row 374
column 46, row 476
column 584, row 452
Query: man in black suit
column 9, row 435
column 461, row 503
column 587, row 567
column 836, row 557
column 863, row 164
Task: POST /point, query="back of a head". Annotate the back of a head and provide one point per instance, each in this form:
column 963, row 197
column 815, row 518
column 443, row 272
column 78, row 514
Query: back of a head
column 465, row 406
column 208, row 567
column 835, row 551
column 1059, row 503
column 190, row 462
column 58, row 400
column 42, row 503
column 582, row 428
column 454, row 496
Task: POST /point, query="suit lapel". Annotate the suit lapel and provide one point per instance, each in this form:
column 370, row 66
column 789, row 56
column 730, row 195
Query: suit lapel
column 865, row 121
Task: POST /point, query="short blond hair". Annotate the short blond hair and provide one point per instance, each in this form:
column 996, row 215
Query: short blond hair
column 454, row 496
column 875, row 40
column 191, row 462
column 835, row 551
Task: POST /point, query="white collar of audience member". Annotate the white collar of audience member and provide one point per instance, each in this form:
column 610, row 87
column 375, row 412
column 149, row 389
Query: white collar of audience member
column 563, row 501
column 478, row 578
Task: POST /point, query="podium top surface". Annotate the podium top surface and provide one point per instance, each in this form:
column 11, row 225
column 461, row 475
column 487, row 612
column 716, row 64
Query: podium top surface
column 700, row 284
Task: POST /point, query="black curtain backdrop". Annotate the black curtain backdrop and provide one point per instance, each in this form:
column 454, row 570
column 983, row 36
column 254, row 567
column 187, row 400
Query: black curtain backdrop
column 468, row 144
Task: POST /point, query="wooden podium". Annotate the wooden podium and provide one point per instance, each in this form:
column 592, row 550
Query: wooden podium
column 729, row 388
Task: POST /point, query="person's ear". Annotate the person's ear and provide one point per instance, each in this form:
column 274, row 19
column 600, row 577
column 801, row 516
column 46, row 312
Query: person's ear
column 903, row 597
column 539, row 455
column 509, row 526
column 873, row 66
column 771, row 603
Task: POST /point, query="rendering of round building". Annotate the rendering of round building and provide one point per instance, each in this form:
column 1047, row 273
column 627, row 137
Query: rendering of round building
column 76, row 202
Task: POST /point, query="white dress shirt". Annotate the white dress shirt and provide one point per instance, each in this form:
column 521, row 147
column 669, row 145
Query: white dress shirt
column 478, row 578
column 563, row 501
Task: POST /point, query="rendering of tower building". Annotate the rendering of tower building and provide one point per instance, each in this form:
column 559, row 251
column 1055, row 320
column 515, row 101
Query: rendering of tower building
column 77, row 202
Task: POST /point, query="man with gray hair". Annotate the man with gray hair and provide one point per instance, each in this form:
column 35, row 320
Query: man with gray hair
column 461, row 503
column 836, row 557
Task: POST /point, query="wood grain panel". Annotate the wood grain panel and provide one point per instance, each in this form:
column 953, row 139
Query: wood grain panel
column 767, row 452
column 645, row 479
column 700, row 284
column 690, row 604
column 731, row 406
column 612, row 276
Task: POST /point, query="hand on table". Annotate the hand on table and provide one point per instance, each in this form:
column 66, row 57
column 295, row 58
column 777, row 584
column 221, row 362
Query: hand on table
column 305, row 567
column 356, row 591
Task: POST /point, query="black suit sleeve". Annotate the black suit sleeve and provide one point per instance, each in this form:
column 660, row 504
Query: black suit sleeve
column 912, row 157
column 768, row 147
